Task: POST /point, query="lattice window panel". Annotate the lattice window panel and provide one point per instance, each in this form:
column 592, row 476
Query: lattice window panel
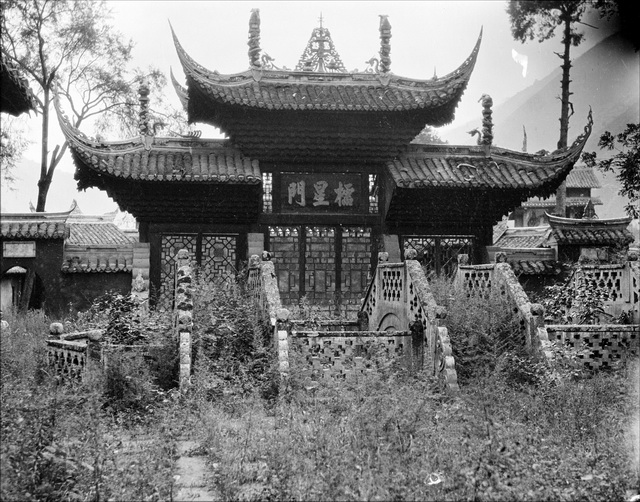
column 267, row 192
column 373, row 194
column 320, row 266
column 439, row 253
column 426, row 249
column 608, row 281
column 392, row 284
column 219, row 258
column 450, row 248
column 169, row 247
column 284, row 243
column 356, row 267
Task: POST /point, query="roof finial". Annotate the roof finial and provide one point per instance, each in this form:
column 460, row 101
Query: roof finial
column 254, row 38
column 143, row 117
column 320, row 19
column 385, row 46
column 487, row 123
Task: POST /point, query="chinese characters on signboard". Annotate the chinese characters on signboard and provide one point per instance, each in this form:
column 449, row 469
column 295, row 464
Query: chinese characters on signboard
column 330, row 192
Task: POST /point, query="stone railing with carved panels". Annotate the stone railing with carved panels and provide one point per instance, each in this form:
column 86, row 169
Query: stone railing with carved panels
column 399, row 298
column 497, row 280
column 619, row 285
column 71, row 354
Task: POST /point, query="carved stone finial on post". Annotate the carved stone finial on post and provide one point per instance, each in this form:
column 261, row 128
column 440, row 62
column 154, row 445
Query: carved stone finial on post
column 254, row 261
column 487, row 123
column 254, row 38
column 501, row 257
column 385, row 45
column 266, row 256
column 383, row 257
column 410, row 254
column 463, row 259
column 143, row 120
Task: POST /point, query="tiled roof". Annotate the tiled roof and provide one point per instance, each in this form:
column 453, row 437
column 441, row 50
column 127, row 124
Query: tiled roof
column 610, row 232
column 105, row 234
column 16, row 96
column 97, row 260
column 582, row 177
column 297, row 90
column 571, row 201
column 34, row 225
column 524, row 237
column 535, row 267
column 426, row 166
column 162, row 159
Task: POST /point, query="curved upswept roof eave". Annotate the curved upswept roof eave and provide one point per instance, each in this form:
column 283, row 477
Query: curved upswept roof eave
column 456, row 80
column 539, row 171
column 183, row 94
column 560, row 221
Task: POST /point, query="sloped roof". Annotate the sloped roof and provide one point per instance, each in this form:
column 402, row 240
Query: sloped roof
column 609, row 232
column 16, row 96
column 34, row 225
column 444, row 166
column 160, row 159
column 304, row 90
column 582, row 177
column 97, row 260
column 524, row 237
column 535, row 267
column 103, row 234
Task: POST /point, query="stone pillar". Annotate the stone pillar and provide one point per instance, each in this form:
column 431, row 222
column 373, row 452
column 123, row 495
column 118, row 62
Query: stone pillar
column 391, row 245
column 184, row 314
column 140, row 270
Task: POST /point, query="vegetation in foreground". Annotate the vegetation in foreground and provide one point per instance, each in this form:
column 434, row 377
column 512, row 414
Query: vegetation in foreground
column 515, row 433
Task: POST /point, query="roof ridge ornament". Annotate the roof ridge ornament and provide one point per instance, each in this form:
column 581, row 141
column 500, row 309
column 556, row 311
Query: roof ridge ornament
column 320, row 54
column 254, row 39
column 385, row 46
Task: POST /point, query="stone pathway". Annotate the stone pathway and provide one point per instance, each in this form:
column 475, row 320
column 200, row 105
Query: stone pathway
column 191, row 485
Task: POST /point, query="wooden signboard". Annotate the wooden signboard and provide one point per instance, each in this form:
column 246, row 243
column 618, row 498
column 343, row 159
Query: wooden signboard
column 322, row 193
column 22, row 249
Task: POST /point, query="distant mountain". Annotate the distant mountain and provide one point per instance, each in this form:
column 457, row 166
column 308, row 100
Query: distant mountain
column 605, row 78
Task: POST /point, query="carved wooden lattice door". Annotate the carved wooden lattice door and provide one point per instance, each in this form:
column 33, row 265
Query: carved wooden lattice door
column 215, row 254
column 439, row 253
column 309, row 259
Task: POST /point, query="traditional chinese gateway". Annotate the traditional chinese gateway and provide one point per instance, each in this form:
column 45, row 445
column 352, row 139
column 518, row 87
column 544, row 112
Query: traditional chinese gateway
column 319, row 169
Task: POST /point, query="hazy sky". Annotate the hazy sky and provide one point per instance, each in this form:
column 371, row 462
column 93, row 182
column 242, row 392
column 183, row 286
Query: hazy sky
column 425, row 35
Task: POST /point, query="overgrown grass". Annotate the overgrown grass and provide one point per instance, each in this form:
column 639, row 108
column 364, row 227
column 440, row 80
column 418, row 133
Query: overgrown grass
column 391, row 436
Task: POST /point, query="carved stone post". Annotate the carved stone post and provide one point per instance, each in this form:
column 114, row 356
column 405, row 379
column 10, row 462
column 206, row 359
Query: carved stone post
column 487, row 123
column 385, row 46
column 417, row 345
column 184, row 313
column 143, row 121
column 254, row 38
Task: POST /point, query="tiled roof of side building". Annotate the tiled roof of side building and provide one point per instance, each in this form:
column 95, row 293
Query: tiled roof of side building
column 582, row 177
column 571, row 202
column 97, row 260
column 34, row 225
column 606, row 232
column 102, row 234
column 524, row 237
column 535, row 267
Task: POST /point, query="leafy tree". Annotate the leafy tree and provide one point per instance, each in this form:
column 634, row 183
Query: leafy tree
column 12, row 144
column 625, row 163
column 71, row 47
column 539, row 19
